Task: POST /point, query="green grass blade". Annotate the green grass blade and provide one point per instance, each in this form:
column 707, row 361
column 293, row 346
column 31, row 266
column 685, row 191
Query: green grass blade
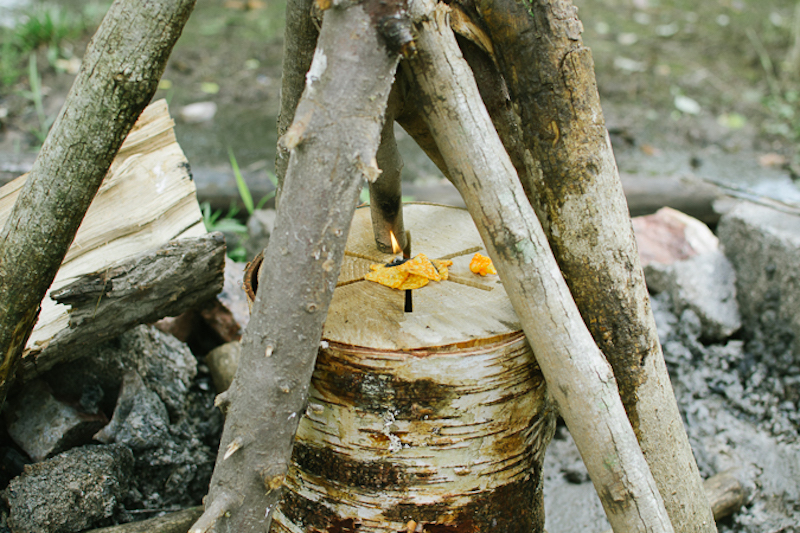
column 244, row 191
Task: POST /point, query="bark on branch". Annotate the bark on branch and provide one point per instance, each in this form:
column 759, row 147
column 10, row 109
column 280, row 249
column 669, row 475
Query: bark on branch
column 332, row 144
column 119, row 76
column 576, row 373
column 575, row 189
column 300, row 38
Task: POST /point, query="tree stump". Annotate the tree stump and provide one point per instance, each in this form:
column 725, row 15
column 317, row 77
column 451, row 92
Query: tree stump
column 435, row 420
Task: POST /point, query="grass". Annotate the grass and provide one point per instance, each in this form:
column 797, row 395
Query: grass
column 229, row 222
column 35, row 96
column 43, row 27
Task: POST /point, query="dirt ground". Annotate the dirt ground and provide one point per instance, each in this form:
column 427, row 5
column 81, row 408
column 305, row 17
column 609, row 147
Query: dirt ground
column 683, row 84
column 706, row 89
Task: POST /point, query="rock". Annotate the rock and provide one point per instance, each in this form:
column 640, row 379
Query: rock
column 43, row 426
column 165, row 364
column 164, row 412
column 668, row 236
column 259, row 228
column 222, row 363
column 12, row 463
column 681, row 257
column 226, row 315
column 198, row 112
column 763, row 244
column 76, row 490
column 180, row 326
column 140, row 420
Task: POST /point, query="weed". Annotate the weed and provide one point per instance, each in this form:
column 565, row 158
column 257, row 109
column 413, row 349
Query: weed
column 229, row 223
column 244, row 190
column 35, row 96
column 47, row 27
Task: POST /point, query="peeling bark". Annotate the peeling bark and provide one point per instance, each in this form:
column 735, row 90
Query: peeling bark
column 576, row 191
column 119, row 76
column 578, row 376
column 332, row 144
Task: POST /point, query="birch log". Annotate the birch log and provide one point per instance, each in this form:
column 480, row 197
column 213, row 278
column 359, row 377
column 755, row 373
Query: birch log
column 576, row 191
column 332, row 141
column 119, row 76
column 578, row 376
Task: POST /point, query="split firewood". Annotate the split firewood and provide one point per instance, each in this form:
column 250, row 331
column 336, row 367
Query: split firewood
column 119, row 76
column 120, row 254
column 104, row 304
column 577, row 375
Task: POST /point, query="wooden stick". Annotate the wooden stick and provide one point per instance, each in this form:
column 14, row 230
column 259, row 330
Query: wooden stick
column 119, row 76
column 299, row 42
column 177, row 522
column 725, row 493
column 577, row 375
column 385, row 192
column 333, row 142
column 575, row 189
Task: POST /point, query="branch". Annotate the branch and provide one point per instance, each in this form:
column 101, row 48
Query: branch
column 576, row 191
column 576, row 373
column 177, row 522
column 119, row 76
column 386, row 192
column 299, row 41
column 333, row 143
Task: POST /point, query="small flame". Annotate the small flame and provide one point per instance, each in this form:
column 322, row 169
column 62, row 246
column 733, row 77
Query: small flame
column 395, row 246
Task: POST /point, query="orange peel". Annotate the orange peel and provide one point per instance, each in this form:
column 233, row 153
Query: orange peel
column 413, row 274
column 482, row 265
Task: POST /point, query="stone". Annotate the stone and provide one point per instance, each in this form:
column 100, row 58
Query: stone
column 43, row 425
column 668, row 236
column 198, row 112
column 763, row 244
column 140, row 420
column 682, row 258
column 76, row 490
column 165, row 364
column 222, row 362
column 259, row 228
